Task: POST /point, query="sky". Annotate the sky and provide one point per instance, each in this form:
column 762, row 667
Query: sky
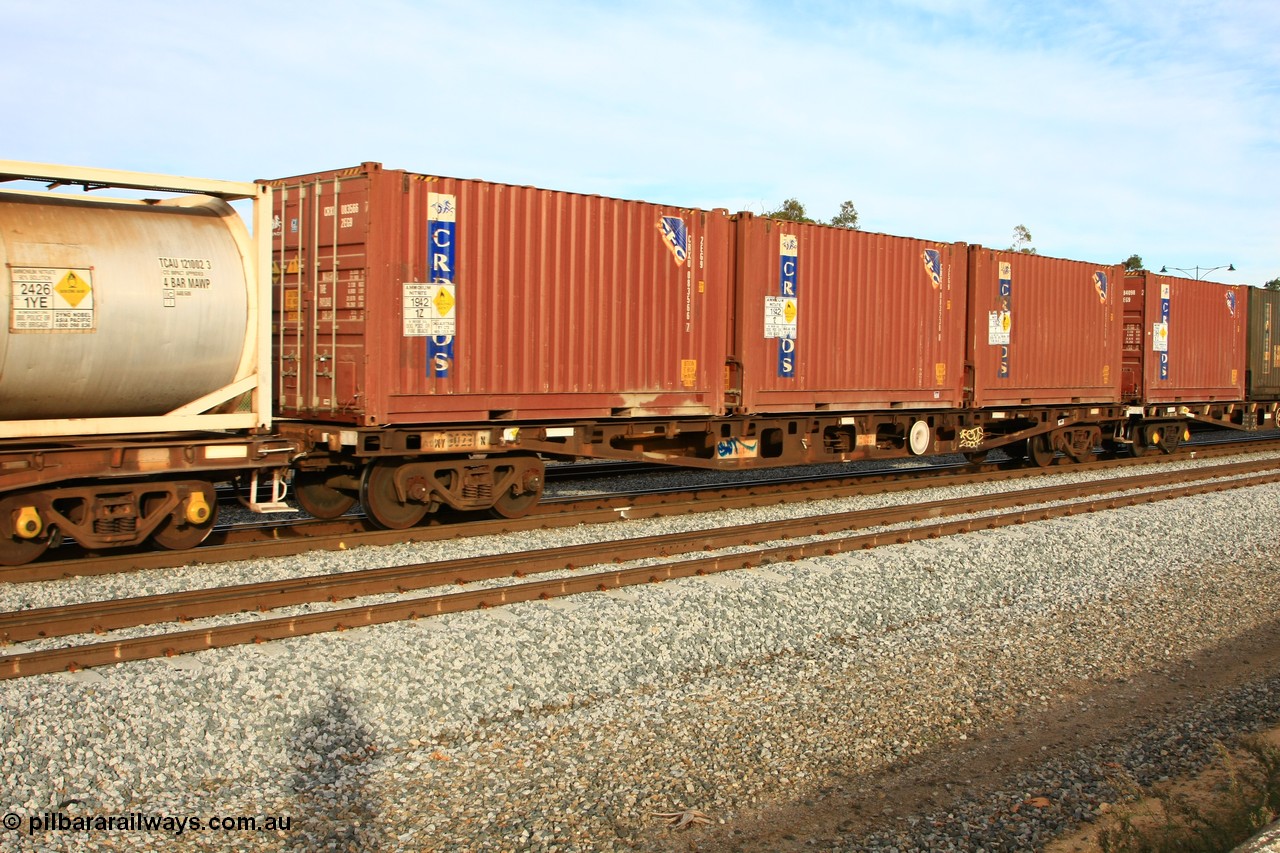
column 1107, row 127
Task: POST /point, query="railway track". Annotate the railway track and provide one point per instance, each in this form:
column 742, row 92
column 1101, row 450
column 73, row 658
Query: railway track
column 836, row 533
column 285, row 539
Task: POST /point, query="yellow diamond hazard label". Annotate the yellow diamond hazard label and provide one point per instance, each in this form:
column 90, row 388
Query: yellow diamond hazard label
column 443, row 302
column 789, row 311
column 73, row 288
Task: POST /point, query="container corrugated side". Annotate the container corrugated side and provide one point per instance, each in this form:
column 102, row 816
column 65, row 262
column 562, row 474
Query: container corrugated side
column 1263, row 378
column 453, row 300
column 1194, row 346
column 836, row 319
column 1043, row 331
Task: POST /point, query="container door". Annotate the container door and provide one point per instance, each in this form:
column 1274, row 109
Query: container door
column 1131, row 369
column 291, row 298
column 1264, row 345
column 320, row 270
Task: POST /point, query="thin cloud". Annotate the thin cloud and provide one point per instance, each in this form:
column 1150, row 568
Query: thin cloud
column 1106, row 127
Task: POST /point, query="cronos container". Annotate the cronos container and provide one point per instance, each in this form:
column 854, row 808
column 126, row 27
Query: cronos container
column 406, row 298
column 127, row 309
column 1185, row 340
column 1043, row 331
column 1263, row 377
column 835, row 319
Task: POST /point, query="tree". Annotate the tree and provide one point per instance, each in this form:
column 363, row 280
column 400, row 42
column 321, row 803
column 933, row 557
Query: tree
column 847, row 217
column 791, row 210
column 1133, row 263
column 1022, row 241
column 1274, row 284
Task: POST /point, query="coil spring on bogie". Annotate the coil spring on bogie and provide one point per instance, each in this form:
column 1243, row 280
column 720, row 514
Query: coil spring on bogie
column 477, row 491
column 114, row 526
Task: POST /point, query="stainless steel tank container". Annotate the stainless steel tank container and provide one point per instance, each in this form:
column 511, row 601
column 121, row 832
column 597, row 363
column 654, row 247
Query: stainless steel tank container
column 120, row 308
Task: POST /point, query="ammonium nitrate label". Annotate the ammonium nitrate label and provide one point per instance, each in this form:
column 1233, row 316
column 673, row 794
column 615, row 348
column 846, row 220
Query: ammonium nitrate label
column 50, row 299
column 428, row 310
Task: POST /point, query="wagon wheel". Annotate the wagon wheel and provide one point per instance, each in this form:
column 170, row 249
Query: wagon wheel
column 321, row 500
column 1040, row 451
column 15, row 550
column 514, row 506
column 1145, row 440
column 378, row 495
column 528, row 481
column 177, row 532
column 919, row 438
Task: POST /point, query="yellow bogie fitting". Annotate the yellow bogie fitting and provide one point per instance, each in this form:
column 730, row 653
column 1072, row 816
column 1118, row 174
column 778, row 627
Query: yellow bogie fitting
column 198, row 510
column 27, row 523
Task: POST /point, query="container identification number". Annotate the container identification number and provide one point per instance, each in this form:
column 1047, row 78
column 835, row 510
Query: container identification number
column 349, row 208
column 183, row 278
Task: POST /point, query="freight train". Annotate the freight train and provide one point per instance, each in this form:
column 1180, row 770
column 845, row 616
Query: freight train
column 414, row 342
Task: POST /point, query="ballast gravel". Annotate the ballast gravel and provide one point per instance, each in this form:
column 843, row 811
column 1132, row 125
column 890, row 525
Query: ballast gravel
column 574, row 724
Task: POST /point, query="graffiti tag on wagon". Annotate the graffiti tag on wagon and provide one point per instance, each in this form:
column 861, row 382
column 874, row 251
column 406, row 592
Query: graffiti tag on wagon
column 736, row 448
column 971, row 438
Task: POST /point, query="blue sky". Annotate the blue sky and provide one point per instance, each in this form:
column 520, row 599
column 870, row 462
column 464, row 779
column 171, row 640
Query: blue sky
column 1107, row 128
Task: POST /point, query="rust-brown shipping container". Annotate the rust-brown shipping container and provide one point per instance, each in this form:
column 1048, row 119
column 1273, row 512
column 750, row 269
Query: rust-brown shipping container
column 1263, row 377
column 406, row 298
column 832, row 319
column 1043, row 331
column 1184, row 339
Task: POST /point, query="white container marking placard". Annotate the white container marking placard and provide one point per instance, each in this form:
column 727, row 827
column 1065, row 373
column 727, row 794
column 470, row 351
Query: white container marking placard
column 429, row 310
column 50, row 299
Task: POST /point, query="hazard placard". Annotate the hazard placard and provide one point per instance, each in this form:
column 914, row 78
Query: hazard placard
column 429, row 310
column 780, row 316
column 50, row 299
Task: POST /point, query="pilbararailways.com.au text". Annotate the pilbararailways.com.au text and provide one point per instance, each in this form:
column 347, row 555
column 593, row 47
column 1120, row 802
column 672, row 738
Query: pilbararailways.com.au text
column 51, row 822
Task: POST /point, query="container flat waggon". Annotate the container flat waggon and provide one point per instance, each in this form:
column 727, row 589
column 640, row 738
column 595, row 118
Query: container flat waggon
column 413, row 342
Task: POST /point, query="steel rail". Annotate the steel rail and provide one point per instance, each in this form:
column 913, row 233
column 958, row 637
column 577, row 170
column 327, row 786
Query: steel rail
column 101, row 616
column 342, row 533
column 76, row 657
column 289, row 540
